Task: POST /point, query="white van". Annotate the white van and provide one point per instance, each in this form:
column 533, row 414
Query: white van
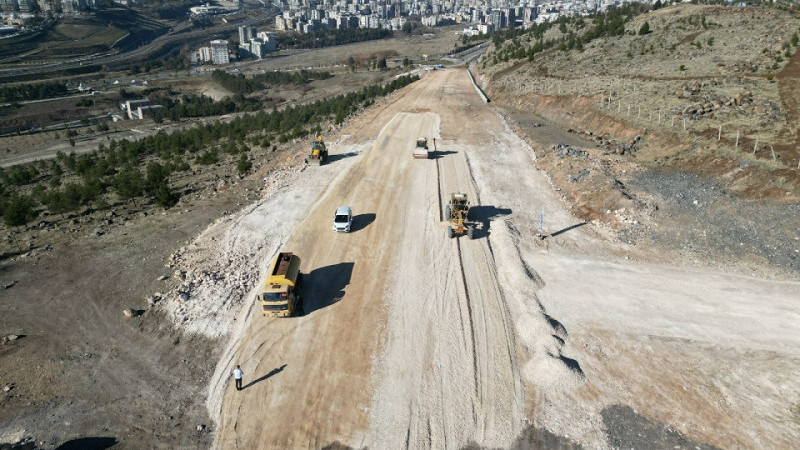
column 343, row 219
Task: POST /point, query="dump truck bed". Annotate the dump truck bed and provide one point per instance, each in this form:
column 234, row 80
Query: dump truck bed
column 285, row 270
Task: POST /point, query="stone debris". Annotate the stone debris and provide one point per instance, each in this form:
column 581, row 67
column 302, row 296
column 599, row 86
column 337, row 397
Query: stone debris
column 579, row 176
column 566, row 150
column 153, row 299
column 9, row 338
column 709, row 104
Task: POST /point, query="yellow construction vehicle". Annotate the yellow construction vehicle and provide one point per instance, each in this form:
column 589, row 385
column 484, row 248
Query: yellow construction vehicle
column 319, row 153
column 456, row 213
column 280, row 296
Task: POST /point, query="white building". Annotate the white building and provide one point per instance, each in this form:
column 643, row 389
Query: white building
column 215, row 53
column 219, row 52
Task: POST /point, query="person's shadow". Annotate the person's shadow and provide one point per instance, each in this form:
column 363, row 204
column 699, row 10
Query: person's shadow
column 264, row 377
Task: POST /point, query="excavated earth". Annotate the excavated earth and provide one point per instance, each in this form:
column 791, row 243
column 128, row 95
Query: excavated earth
column 567, row 337
column 545, row 331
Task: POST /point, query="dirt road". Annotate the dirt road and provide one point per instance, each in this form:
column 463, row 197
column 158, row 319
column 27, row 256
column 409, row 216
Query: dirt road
column 411, row 339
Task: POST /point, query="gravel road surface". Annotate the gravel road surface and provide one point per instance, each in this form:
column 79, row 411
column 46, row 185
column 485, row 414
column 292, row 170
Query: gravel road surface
column 413, row 339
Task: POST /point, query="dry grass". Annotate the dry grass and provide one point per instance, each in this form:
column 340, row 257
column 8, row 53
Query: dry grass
column 635, row 84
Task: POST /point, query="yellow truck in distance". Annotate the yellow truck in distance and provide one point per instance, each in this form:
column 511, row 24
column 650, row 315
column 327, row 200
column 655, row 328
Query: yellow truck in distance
column 281, row 296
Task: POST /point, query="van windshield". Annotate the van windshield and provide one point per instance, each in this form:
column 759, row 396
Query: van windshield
column 274, row 297
column 341, row 219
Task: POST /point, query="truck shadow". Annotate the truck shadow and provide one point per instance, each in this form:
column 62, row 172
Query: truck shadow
column 361, row 221
column 324, row 286
column 483, row 215
column 436, row 154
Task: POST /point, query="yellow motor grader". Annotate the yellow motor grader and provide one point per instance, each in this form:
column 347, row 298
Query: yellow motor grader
column 456, row 213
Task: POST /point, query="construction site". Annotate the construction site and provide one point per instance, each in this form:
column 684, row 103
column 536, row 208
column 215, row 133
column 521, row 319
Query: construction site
column 408, row 338
column 507, row 252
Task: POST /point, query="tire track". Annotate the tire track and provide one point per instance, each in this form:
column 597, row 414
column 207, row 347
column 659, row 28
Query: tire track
column 468, row 301
column 445, row 374
column 491, row 334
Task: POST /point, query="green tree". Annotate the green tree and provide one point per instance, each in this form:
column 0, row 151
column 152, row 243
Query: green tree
column 644, row 29
column 406, row 62
column 244, row 165
column 164, row 196
column 128, row 183
column 382, row 64
column 18, row 210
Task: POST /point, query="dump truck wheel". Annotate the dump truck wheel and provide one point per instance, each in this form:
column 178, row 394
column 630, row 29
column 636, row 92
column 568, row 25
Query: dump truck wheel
column 447, row 212
column 449, row 232
column 471, row 232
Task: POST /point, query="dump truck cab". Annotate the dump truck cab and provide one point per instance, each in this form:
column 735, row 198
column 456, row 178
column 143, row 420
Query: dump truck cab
column 280, row 296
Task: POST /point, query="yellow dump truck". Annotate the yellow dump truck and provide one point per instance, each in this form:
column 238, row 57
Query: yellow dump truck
column 281, row 295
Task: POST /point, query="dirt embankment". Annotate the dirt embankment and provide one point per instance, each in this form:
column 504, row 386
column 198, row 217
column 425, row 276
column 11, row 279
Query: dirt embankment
column 699, row 194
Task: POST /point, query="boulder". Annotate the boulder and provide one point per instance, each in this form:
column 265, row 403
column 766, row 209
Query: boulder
column 131, row 313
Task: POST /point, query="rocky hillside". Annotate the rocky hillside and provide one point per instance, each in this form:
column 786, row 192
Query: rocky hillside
column 683, row 121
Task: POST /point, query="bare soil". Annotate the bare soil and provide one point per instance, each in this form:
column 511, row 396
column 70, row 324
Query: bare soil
column 628, row 318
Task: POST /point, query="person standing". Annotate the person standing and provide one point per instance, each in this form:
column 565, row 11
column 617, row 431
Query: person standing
column 237, row 376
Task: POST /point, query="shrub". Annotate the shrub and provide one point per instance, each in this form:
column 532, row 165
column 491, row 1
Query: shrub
column 244, row 165
column 18, row 210
column 128, row 183
column 209, row 157
column 164, row 196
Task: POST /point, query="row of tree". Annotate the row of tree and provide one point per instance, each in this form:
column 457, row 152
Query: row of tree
column 239, row 84
column 510, row 44
column 32, row 91
column 330, row 38
column 116, row 168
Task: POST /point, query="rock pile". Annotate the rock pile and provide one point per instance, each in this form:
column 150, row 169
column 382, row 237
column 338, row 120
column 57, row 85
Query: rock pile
column 610, row 145
column 579, row 176
column 566, row 150
column 704, row 103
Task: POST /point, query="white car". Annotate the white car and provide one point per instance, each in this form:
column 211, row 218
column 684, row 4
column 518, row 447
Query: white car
column 343, row 219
